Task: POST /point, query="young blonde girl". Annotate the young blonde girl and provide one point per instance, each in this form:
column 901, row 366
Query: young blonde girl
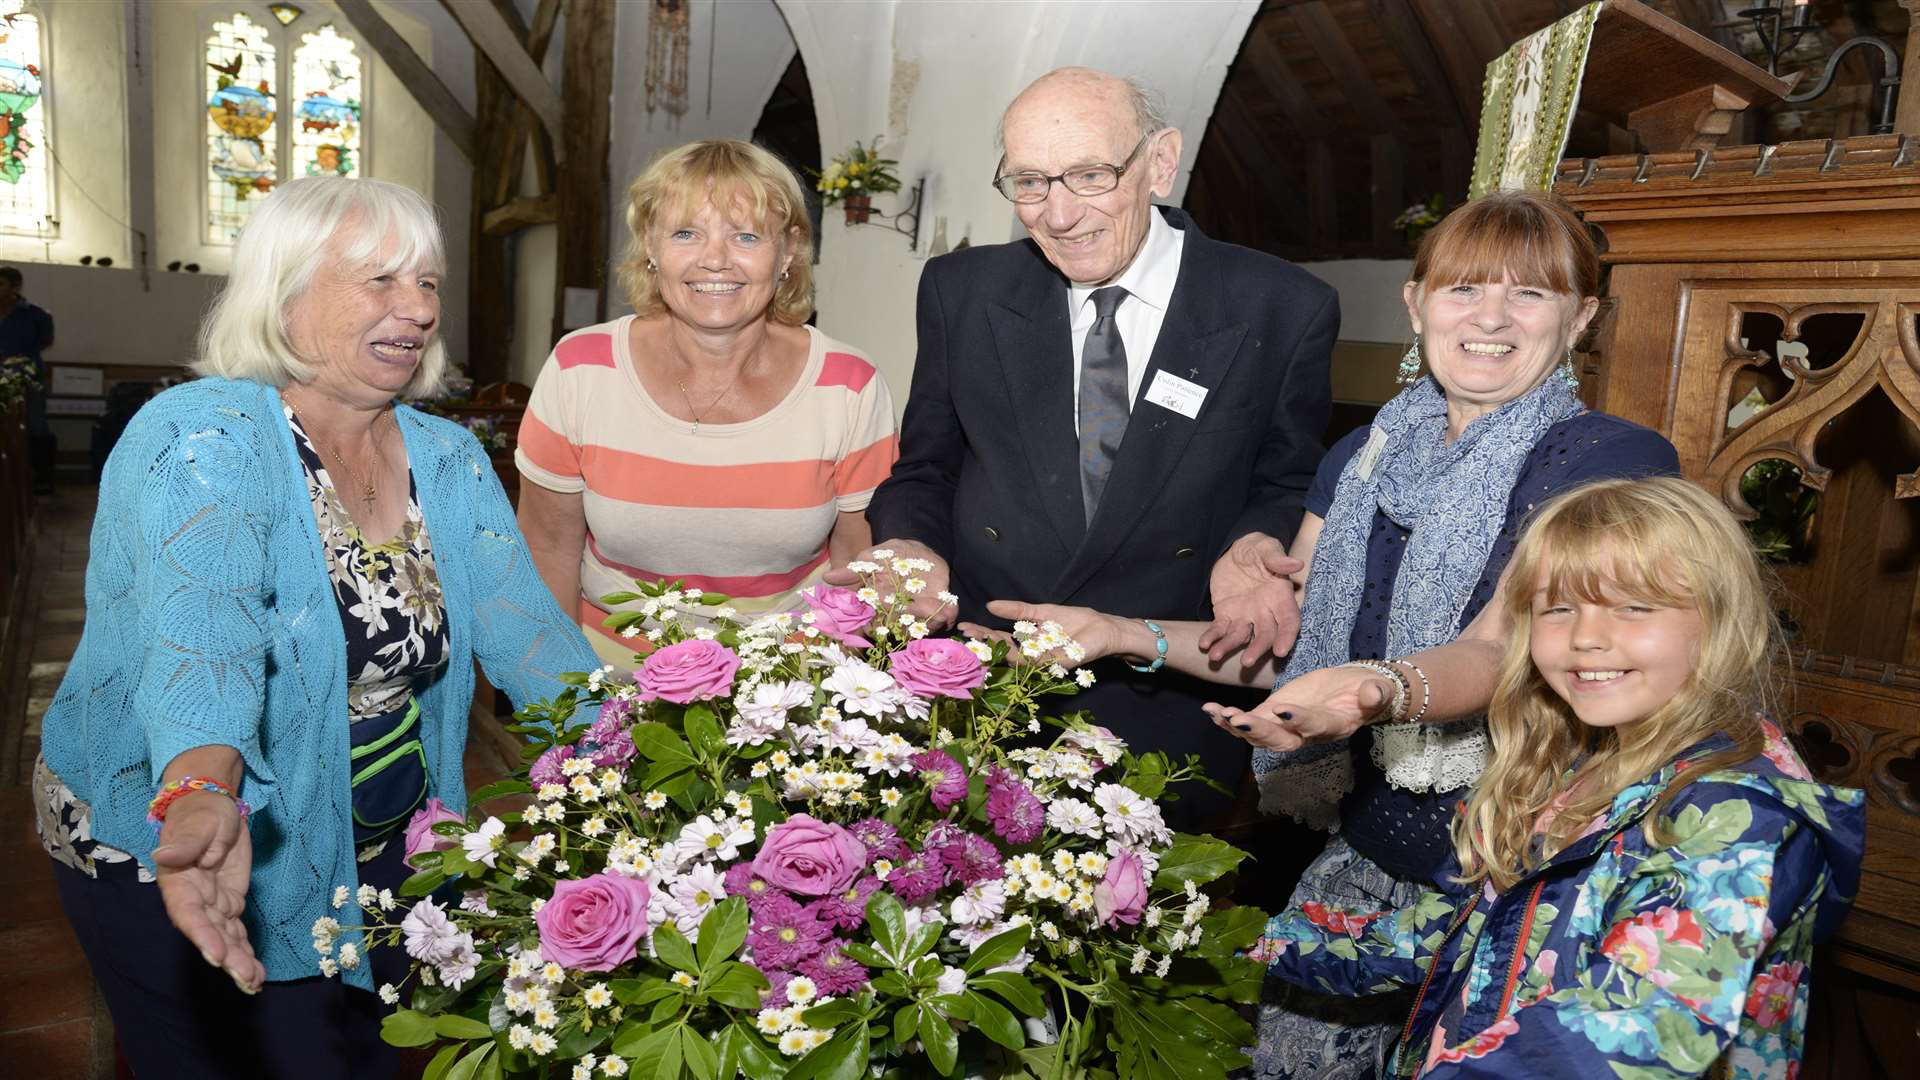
column 1642, row 871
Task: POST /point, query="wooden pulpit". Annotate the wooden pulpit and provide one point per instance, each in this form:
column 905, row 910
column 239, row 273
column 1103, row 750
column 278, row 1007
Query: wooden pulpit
column 1764, row 313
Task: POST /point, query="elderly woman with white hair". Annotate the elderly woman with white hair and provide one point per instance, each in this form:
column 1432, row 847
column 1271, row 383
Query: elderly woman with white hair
column 291, row 576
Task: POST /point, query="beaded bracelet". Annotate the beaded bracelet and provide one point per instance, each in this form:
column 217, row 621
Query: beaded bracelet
column 1397, row 708
column 157, row 810
column 1160, row 650
column 1426, row 690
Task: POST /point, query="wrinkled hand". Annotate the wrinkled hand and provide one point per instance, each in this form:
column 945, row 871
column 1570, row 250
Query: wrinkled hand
column 926, row 603
column 1254, row 609
column 1095, row 632
column 203, row 864
column 1320, row 706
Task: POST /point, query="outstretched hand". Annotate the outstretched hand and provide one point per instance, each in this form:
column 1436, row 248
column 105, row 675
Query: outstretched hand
column 1093, row 631
column 203, row 864
column 1254, row 607
column 926, row 604
column 1321, row 706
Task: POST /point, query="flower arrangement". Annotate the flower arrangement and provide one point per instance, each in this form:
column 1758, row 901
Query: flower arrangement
column 17, row 380
column 1415, row 220
column 857, row 172
column 827, row 844
column 487, row 429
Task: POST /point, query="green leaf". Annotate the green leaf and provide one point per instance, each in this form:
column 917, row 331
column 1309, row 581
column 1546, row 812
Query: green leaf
column 437, row 1068
column 757, row 1059
column 455, row 1026
column 862, row 953
column 406, row 1027
column 995, row 1022
column 997, row 949
column 498, row 788
column 705, row 731
column 832, row 1014
column 923, row 941
column 1198, row 859
column 422, row 883
column 1018, row 990
column 660, row 743
column 470, row 1064
column 673, row 948
column 638, row 992
column 621, row 597
column 903, row 1023
column 887, row 921
column 631, row 1036
column 737, row 986
column 657, row 1057
column 843, row 1057
column 941, row 1042
column 698, row 1053
column 1231, row 930
column 722, row 932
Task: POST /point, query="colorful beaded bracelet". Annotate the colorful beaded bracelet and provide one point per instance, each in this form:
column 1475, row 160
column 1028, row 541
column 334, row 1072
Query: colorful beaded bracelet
column 157, row 810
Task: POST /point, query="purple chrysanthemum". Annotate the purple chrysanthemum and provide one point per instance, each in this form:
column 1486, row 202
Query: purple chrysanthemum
column 1016, row 813
column 882, row 840
column 783, row 934
column 547, row 769
column 967, row 859
column 775, row 995
column 943, row 775
column 847, row 909
column 917, row 878
column 742, row 881
column 833, row 972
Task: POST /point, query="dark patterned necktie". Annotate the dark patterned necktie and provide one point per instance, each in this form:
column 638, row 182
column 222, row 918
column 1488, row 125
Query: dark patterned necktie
column 1103, row 396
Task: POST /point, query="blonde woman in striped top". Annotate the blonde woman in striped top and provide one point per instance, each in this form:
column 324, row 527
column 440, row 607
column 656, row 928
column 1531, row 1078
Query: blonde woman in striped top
column 712, row 436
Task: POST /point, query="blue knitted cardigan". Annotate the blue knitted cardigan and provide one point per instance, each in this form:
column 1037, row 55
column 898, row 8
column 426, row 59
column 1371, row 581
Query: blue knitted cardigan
column 211, row 620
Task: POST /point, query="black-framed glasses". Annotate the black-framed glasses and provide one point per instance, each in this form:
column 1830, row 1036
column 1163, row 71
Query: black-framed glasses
column 1032, row 186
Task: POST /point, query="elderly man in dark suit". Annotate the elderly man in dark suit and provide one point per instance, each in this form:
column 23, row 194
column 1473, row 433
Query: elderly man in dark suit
column 1116, row 412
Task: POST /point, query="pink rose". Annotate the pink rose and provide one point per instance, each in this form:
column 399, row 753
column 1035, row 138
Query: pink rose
column 1122, row 896
column 420, row 835
column 839, row 613
column 688, row 671
column 938, row 667
column 810, row 857
column 594, row 924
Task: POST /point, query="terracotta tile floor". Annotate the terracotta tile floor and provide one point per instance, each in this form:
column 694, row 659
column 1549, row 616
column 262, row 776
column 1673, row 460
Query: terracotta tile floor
column 53, row 1024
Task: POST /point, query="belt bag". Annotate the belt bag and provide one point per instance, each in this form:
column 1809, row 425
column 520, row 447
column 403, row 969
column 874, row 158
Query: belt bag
column 389, row 771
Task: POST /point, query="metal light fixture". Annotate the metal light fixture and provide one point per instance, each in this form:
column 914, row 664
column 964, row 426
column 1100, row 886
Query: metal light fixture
column 286, row 13
column 1778, row 38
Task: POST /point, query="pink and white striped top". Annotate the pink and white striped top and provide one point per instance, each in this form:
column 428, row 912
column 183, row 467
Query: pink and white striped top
column 741, row 509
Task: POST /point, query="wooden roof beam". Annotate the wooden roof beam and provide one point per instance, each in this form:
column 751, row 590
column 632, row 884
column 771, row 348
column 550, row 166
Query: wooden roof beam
column 1409, row 41
column 512, row 154
column 1244, row 142
column 1323, row 31
column 496, row 39
column 1465, row 65
column 1276, row 77
column 435, row 99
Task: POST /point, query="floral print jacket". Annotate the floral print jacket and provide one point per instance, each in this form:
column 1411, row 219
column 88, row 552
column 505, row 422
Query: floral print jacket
column 1618, row 958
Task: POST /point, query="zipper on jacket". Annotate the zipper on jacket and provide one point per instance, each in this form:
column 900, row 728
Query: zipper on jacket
column 1413, row 1014
column 1519, row 950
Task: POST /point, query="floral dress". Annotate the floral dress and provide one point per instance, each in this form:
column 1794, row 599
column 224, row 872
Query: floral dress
column 394, row 616
column 1619, row 957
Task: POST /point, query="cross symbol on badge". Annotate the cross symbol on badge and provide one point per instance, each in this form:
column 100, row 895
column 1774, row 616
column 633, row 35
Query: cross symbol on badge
column 1193, row 373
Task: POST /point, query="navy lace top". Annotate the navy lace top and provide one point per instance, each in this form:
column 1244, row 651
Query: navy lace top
column 1405, row 832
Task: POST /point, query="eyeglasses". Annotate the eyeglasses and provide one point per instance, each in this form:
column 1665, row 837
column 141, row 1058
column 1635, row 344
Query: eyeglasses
column 1098, row 179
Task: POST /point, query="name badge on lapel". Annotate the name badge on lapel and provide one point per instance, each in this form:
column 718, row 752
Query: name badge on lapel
column 1170, row 391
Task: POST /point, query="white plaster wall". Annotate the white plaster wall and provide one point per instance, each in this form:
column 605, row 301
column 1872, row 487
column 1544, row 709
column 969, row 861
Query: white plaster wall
column 934, row 76
column 1370, row 304
column 87, row 84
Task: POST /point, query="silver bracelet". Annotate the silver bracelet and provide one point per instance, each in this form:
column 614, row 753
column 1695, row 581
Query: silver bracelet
column 1426, row 690
column 1397, row 708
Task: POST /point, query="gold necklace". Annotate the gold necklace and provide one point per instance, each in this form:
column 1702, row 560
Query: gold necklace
column 368, row 492
column 701, row 414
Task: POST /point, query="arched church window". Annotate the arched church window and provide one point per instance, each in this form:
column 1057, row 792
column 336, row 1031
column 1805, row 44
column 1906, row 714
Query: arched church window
column 281, row 102
column 26, row 181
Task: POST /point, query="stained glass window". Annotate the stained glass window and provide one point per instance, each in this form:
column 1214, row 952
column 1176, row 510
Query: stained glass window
column 242, row 140
column 281, row 103
column 26, row 188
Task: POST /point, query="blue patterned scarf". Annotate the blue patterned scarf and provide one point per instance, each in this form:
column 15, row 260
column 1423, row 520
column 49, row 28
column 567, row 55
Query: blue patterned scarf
column 1452, row 499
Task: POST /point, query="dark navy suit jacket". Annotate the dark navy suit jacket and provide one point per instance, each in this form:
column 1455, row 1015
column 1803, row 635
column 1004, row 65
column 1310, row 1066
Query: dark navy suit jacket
column 989, row 476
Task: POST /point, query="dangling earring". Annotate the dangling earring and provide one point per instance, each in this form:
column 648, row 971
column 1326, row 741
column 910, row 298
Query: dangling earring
column 1570, row 372
column 652, row 267
column 1410, row 363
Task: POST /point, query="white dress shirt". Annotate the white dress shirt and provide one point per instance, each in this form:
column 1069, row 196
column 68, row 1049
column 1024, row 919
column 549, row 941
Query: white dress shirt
column 1149, row 283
